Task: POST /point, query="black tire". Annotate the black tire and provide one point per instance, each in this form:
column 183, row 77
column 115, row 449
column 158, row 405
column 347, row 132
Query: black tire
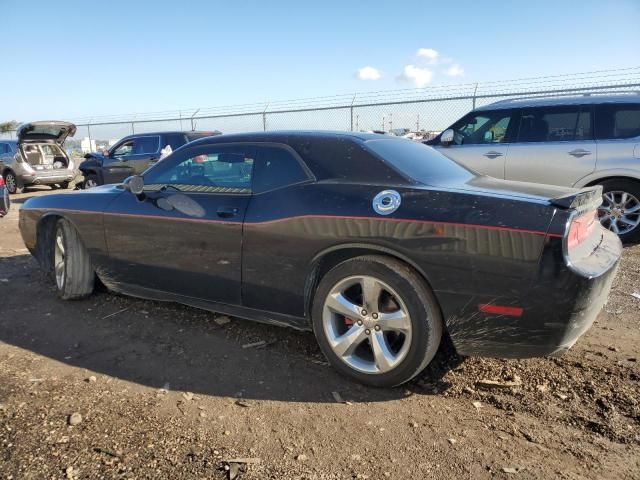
column 12, row 183
column 77, row 271
column 62, row 185
column 90, row 181
column 632, row 187
column 421, row 304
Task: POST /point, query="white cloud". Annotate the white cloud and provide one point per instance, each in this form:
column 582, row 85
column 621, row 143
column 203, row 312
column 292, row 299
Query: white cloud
column 368, row 73
column 454, row 71
column 428, row 53
column 419, row 76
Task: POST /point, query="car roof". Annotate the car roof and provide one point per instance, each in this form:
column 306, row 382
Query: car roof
column 173, row 132
column 283, row 136
column 594, row 99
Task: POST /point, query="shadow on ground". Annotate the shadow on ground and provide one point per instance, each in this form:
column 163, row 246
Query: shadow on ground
column 155, row 344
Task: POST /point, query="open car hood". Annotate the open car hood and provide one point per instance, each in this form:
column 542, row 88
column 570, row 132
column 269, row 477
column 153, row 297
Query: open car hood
column 46, row 130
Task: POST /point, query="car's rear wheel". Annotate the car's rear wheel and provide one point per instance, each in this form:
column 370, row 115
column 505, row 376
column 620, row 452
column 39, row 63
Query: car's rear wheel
column 12, row 183
column 72, row 268
column 62, row 185
column 90, row 181
column 620, row 209
column 376, row 320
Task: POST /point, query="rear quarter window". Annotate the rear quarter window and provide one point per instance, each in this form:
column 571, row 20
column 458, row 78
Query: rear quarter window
column 617, row 121
column 418, row 162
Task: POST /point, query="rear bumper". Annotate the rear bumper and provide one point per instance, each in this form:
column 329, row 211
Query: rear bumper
column 560, row 306
column 47, row 177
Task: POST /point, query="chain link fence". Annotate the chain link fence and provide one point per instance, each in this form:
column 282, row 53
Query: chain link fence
column 422, row 111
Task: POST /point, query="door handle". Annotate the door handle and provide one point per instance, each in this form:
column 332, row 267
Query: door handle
column 227, row 212
column 493, row 154
column 579, row 152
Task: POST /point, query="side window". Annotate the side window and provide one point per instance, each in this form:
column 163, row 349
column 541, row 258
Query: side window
column 276, row 167
column 175, row 140
column 617, row 121
column 3, row 148
column 482, row 128
column 125, row 148
column 146, row 145
column 207, row 166
column 563, row 124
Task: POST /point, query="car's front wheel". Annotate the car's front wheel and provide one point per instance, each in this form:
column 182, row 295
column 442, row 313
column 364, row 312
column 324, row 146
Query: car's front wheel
column 12, row 183
column 72, row 268
column 620, row 209
column 90, row 181
column 376, row 320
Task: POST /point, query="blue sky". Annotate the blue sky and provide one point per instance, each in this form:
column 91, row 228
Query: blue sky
column 75, row 59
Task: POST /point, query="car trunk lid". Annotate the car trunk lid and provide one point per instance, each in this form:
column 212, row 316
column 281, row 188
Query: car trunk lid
column 56, row 131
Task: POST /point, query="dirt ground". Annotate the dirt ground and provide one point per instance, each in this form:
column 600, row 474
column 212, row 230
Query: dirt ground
column 165, row 391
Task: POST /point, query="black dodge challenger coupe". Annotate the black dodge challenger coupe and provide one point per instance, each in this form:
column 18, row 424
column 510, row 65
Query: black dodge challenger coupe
column 377, row 244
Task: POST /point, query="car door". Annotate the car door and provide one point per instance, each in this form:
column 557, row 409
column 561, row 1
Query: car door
column 554, row 145
column 132, row 156
column 4, row 149
column 115, row 166
column 481, row 141
column 183, row 235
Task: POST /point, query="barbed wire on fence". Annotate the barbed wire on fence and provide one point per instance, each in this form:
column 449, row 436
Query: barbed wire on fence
column 428, row 109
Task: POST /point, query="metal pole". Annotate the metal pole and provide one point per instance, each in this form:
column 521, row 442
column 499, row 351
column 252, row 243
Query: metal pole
column 357, row 122
column 391, row 122
column 193, row 127
column 475, row 90
column 351, row 110
column 383, row 123
column 133, row 127
column 418, row 123
column 264, row 118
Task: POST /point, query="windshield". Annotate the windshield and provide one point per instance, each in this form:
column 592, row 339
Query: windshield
column 418, row 161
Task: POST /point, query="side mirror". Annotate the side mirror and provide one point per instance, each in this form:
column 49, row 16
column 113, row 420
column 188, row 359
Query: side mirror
column 134, row 184
column 446, row 138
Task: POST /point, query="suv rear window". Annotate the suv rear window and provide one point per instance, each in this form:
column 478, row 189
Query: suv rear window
column 617, row 121
column 417, row 161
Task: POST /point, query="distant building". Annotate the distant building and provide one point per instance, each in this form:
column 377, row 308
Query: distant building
column 87, row 145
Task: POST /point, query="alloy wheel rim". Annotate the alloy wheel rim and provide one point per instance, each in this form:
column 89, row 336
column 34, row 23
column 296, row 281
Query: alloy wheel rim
column 10, row 181
column 59, row 259
column 367, row 324
column 619, row 212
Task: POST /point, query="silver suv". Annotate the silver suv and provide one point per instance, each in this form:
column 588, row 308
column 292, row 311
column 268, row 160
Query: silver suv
column 37, row 157
column 570, row 141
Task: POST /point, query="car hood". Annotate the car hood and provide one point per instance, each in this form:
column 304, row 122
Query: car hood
column 56, row 131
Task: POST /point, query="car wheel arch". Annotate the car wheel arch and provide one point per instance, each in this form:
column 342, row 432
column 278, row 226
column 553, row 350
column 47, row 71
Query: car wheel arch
column 612, row 177
column 325, row 260
column 45, row 231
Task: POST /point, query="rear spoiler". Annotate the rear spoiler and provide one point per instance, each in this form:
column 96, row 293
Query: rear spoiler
column 588, row 198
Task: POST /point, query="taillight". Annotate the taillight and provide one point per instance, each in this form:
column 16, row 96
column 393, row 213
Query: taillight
column 581, row 228
column 1, row 181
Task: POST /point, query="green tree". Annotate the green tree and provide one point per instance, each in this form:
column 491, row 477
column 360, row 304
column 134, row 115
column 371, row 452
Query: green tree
column 9, row 126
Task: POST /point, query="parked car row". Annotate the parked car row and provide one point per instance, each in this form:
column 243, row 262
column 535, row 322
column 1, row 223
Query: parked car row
column 577, row 141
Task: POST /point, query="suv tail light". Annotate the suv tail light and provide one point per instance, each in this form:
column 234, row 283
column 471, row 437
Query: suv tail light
column 1, row 181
